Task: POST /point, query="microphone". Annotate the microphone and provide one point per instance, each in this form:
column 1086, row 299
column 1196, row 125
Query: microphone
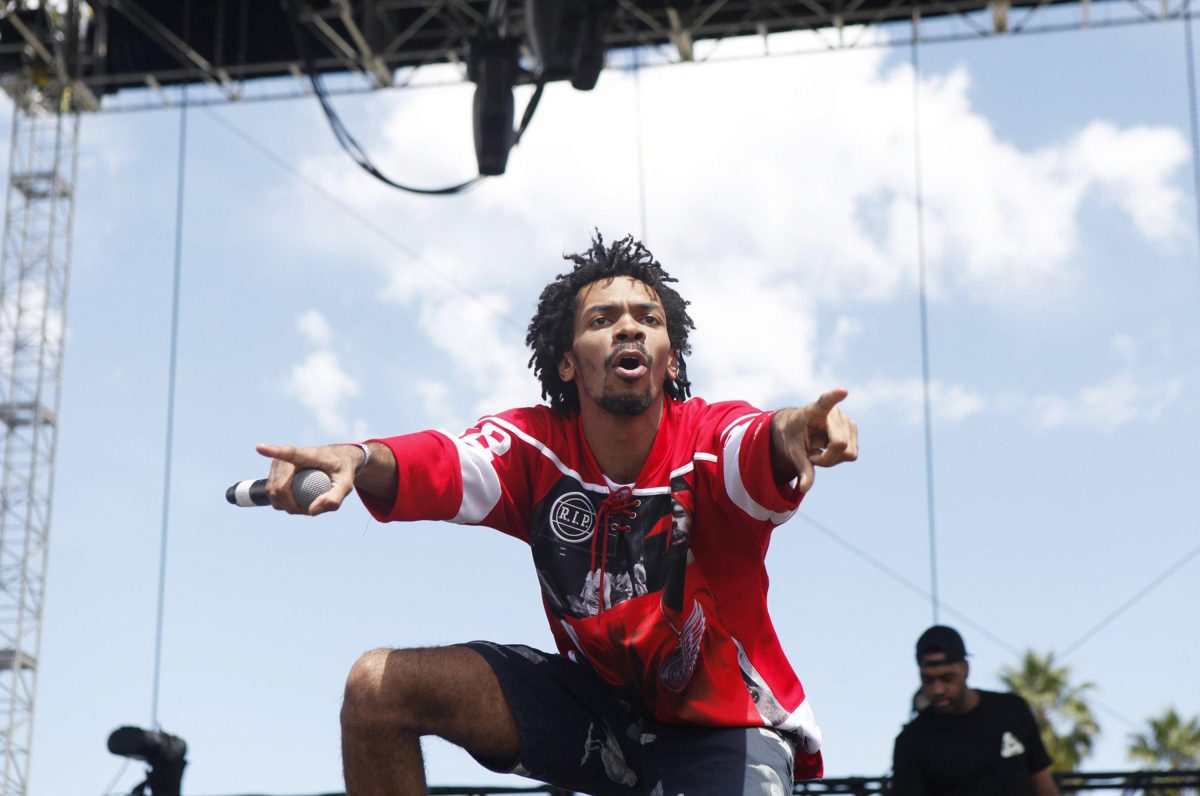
column 307, row 485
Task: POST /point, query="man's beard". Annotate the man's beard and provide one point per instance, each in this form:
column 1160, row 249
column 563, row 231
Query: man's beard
column 625, row 404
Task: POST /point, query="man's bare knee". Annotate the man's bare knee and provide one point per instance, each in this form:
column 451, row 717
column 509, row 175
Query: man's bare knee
column 446, row 691
column 380, row 692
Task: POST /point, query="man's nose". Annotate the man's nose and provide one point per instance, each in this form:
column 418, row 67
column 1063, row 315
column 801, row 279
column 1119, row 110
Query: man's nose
column 626, row 329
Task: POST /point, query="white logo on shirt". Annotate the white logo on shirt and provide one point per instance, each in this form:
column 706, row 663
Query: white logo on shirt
column 572, row 517
column 1010, row 746
column 489, row 438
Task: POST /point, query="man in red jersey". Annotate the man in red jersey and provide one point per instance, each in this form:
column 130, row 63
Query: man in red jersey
column 648, row 514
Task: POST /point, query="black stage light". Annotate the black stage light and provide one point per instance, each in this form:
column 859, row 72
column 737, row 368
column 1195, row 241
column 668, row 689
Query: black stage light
column 567, row 38
column 165, row 754
column 493, row 68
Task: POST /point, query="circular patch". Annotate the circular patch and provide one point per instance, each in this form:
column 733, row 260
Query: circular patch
column 572, row 517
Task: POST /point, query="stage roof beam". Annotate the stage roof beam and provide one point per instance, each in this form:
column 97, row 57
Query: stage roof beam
column 413, row 28
column 383, row 76
column 176, row 47
column 681, row 38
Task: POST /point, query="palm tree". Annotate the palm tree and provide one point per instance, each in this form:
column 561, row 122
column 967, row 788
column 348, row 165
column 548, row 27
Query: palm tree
column 1064, row 719
column 1170, row 742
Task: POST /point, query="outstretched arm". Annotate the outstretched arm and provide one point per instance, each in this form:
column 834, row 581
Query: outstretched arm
column 817, row 435
column 377, row 479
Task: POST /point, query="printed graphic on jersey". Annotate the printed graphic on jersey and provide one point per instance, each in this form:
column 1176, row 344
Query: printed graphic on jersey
column 618, row 587
column 677, row 670
column 1010, row 746
column 585, row 569
column 572, row 517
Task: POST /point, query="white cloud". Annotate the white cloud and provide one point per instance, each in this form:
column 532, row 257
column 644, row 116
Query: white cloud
column 479, row 336
column 320, row 384
column 1144, row 384
column 754, row 340
column 1114, row 402
column 315, row 328
column 949, row 403
column 1132, row 169
column 768, row 210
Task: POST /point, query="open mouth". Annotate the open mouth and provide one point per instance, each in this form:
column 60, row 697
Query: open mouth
column 630, row 364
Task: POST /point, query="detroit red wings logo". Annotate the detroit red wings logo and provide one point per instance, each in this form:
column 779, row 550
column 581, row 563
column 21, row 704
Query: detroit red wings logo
column 678, row 668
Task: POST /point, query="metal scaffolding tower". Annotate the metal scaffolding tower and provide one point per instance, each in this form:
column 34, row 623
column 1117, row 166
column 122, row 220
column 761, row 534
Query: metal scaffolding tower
column 34, row 265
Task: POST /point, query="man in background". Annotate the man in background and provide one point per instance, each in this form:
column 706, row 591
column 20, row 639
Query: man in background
column 966, row 740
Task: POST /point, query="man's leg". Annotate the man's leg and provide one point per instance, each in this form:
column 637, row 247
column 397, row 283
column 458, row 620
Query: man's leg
column 393, row 697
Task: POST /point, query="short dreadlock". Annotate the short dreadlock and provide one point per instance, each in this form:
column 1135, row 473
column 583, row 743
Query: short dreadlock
column 552, row 330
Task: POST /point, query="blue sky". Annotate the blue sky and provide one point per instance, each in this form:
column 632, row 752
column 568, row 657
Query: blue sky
column 318, row 306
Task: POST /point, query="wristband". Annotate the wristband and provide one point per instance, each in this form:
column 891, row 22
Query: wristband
column 366, row 456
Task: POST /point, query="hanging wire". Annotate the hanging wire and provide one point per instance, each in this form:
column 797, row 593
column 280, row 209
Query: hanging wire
column 108, row 790
column 637, row 111
column 1192, row 113
column 455, row 283
column 1125, row 606
column 173, row 362
column 920, row 207
column 1009, row 647
column 906, row 583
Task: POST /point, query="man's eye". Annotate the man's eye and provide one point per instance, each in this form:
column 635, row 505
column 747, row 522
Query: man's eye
column 652, row 320
column 600, row 321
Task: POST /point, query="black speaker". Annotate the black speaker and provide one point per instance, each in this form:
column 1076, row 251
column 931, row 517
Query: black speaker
column 567, row 38
column 493, row 68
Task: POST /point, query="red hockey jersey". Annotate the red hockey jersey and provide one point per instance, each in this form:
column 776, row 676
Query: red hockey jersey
column 659, row 584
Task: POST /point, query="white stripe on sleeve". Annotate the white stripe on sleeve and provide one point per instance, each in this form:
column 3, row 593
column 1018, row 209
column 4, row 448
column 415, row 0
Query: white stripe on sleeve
column 734, row 485
column 481, row 485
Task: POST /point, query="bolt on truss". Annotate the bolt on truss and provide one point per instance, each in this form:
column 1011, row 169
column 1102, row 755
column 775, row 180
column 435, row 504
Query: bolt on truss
column 34, row 266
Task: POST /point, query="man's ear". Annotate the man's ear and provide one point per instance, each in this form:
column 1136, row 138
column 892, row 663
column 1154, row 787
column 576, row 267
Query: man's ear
column 566, row 367
column 673, row 365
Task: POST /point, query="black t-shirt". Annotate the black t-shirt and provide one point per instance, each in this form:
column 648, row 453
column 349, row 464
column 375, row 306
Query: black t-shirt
column 991, row 750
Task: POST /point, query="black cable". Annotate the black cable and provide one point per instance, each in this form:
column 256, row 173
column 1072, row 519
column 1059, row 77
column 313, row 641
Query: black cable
column 343, row 136
column 347, row 140
column 530, row 107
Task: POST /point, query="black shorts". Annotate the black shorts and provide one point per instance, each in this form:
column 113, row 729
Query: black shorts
column 580, row 734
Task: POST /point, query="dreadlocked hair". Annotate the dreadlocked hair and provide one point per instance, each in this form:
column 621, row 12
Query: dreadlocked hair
column 552, row 330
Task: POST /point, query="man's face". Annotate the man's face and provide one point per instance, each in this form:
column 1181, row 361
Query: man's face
column 944, row 684
column 622, row 352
